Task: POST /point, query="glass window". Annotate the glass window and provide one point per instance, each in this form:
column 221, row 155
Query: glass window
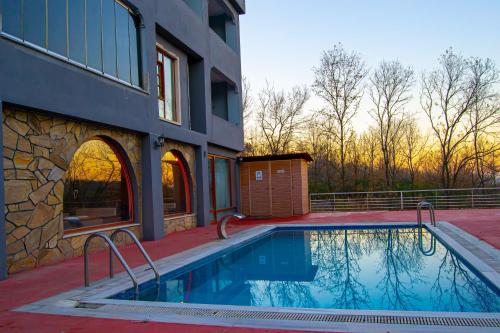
column 94, row 34
column 101, row 34
column 223, row 186
column 34, row 22
column 122, row 42
column 109, row 37
column 167, row 73
column 174, row 183
column 56, row 18
column 96, row 188
column 11, row 17
column 134, row 52
column 159, row 83
column 220, row 186
column 169, row 89
column 76, row 30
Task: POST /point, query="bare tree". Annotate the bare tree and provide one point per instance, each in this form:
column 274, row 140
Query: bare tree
column 450, row 96
column 339, row 82
column 279, row 116
column 390, row 89
column 414, row 145
column 246, row 99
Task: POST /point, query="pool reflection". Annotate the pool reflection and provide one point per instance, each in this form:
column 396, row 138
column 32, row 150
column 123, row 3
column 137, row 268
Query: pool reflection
column 385, row 269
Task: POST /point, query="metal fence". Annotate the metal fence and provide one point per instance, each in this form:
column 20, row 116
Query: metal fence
column 400, row 200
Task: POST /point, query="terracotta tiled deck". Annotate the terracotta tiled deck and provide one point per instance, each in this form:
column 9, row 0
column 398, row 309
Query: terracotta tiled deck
column 43, row 282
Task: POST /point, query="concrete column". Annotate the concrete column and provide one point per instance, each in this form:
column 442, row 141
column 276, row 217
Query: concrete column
column 152, row 196
column 3, row 247
column 202, row 187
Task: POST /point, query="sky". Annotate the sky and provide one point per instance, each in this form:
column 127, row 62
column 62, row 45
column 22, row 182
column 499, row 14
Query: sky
column 282, row 40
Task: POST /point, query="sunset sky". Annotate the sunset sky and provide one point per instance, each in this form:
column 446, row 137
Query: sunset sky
column 283, row 39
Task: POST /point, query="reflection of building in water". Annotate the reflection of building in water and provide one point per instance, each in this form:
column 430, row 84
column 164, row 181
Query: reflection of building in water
column 279, row 257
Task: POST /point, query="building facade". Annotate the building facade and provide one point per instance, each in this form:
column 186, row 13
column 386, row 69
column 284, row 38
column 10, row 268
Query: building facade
column 115, row 113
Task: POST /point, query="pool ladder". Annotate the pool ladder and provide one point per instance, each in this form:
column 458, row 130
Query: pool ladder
column 423, row 204
column 432, row 249
column 114, row 250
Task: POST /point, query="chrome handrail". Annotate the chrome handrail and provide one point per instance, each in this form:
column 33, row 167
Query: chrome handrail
column 139, row 246
column 421, row 205
column 113, row 248
column 221, row 225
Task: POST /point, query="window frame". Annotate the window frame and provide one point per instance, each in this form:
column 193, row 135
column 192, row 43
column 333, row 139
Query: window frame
column 213, row 189
column 176, row 94
column 130, row 195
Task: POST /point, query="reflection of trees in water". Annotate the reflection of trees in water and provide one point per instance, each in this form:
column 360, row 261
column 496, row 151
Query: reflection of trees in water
column 337, row 253
column 401, row 264
column 282, row 293
column 463, row 288
column 399, row 268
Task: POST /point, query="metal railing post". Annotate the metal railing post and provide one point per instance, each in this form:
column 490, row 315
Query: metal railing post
column 402, row 204
column 472, row 197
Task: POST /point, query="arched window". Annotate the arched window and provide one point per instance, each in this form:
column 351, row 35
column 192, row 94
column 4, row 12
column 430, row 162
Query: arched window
column 97, row 190
column 176, row 197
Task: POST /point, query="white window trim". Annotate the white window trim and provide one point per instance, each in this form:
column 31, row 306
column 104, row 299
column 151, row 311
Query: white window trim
column 177, row 85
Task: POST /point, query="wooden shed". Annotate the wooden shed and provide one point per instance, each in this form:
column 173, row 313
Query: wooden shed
column 274, row 185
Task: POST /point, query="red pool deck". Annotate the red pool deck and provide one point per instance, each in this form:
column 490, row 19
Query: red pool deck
column 30, row 286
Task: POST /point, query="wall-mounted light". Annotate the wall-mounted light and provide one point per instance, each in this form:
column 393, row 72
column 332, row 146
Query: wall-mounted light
column 160, row 142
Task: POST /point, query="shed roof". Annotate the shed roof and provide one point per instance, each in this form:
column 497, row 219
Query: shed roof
column 294, row 156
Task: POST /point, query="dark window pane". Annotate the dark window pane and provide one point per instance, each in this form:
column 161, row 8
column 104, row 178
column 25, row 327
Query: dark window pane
column 122, row 42
column 34, row 22
column 109, row 38
column 76, row 30
column 11, row 17
column 94, row 50
column 56, row 33
column 134, row 52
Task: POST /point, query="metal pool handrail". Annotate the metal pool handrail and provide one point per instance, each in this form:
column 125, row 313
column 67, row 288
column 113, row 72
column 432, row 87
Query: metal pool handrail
column 139, row 246
column 118, row 255
column 421, row 205
column 221, row 225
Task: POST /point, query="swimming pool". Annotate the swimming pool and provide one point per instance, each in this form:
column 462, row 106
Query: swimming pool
column 389, row 267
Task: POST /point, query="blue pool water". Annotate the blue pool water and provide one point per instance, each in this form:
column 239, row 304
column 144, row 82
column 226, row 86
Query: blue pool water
column 373, row 268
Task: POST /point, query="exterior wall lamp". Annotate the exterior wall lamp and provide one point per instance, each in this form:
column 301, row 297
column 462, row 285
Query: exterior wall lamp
column 160, row 142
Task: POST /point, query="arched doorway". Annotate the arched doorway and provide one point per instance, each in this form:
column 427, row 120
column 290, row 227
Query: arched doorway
column 97, row 187
column 175, row 184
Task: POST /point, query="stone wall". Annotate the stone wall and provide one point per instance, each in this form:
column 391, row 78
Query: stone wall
column 179, row 223
column 38, row 148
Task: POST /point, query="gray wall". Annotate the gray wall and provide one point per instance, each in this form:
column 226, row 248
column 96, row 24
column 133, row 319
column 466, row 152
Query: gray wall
column 34, row 79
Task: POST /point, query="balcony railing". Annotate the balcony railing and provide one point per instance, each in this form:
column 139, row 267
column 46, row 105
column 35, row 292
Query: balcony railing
column 401, row 200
